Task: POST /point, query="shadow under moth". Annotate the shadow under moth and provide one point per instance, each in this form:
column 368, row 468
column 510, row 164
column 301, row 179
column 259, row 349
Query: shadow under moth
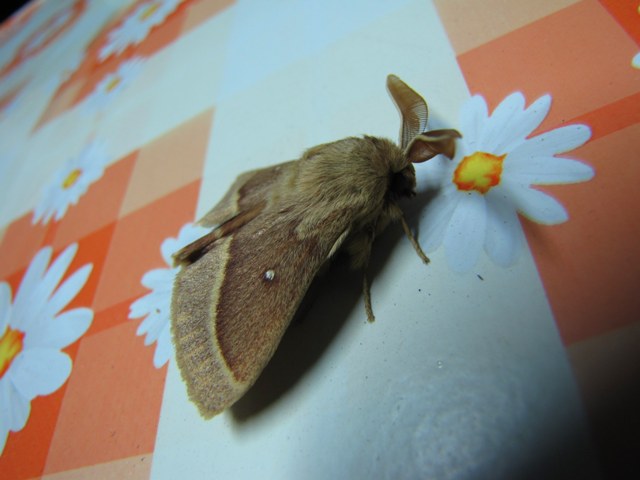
column 241, row 284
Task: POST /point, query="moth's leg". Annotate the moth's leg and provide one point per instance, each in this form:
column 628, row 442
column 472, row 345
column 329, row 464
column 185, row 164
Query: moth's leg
column 359, row 249
column 364, row 259
column 412, row 239
column 366, row 289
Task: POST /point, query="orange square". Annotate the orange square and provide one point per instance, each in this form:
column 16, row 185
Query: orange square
column 111, row 317
column 92, row 249
column 169, row 163
column 25, row 452
column 61, row 101
column 470, row 24
column 611, row 117
column 112, row 403
column 20, row 243
column 135, row 247
column 626, row 13
column 132, row 468
column 99, row 206
column 580, row 55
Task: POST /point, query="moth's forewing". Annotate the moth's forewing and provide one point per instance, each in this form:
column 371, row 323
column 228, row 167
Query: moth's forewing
column 231, row 306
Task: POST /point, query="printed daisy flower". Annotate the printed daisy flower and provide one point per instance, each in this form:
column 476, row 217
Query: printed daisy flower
column 33, row 332
column 481, row 191
column 137, row 26
column 112, row 85
column 71, row 182
column 46, row 33
column 156, row 305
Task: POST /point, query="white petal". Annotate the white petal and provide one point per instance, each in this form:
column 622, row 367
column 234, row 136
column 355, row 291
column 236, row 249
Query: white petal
column 500, row 122
column 32, row 278
column 155, row 327
column 504, row 237
column 58, row 268
column 48, row 214
column 537, row 206
column 546, row 170
column 465, row 235
column 61, row 210
column 473, row 116
column 38, row 214
column 5, row 306
column 68, row 290
column 150, row 320
column 153, row 302
column 436, row 220
column 159, row 277
column 163, row 348
column 39, row 372
column 141, row 307
column 60, row 331
column 517, row 130
column 14, row 411
column 553, row 142
column 5, row 411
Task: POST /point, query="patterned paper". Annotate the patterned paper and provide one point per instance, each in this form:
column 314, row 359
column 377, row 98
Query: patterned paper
column 121, row 123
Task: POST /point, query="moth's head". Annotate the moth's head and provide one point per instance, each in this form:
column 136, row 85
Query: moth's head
column 402, row 183
column 402, row 176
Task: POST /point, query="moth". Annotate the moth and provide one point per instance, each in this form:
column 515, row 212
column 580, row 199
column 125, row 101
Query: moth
column 241, row 284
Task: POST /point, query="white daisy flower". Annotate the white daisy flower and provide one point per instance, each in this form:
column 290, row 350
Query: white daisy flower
column 33, row 332
column 112, row 85
column 71, row 182
column 481, row 191
column 156, row 305
column 137, row 26
column 635, row 61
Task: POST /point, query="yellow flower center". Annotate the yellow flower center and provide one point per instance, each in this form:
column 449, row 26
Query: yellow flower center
column 71, row 179
column 113, row 83
column 10, row 347
column 479, row 171
column 150, row 10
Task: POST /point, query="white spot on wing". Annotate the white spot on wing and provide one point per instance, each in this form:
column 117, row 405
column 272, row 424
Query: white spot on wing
column 269, row 275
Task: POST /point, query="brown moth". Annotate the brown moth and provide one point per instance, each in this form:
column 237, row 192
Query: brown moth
column 241, row 284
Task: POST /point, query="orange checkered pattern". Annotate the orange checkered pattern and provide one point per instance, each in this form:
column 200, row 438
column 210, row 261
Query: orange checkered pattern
column 103, row 422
